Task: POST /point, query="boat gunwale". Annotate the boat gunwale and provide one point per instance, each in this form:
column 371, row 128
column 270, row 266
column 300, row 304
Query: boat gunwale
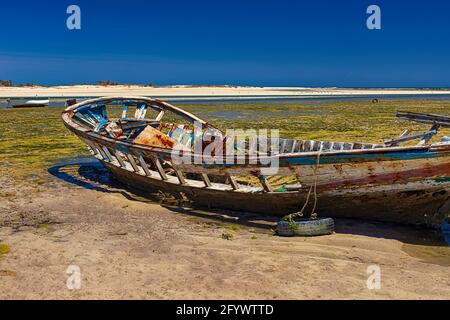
column 156, row 102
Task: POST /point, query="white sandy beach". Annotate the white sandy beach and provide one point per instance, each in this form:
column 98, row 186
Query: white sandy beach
column 199, row 91
column 130, row 249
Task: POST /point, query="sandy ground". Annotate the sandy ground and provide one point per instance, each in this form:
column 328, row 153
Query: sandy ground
column 186, row 91
column 127, row 248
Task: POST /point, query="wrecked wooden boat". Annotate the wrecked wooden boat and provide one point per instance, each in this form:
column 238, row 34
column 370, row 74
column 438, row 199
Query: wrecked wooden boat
column 384, row 182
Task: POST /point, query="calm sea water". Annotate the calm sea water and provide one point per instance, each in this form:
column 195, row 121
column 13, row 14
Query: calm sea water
column 59, row 102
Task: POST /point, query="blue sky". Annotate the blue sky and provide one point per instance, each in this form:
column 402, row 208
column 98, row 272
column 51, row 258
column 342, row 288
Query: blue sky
column 271, row 43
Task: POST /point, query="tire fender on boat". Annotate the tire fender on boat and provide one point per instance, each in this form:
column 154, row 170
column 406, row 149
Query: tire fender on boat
column 306, row 227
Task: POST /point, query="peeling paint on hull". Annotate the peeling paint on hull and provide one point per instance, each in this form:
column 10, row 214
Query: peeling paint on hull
column 411, row 203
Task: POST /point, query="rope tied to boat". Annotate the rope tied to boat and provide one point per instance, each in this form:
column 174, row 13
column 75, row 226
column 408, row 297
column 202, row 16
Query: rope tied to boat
column 313, row 214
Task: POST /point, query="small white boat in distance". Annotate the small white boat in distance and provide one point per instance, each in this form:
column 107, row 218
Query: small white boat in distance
column 30, row 104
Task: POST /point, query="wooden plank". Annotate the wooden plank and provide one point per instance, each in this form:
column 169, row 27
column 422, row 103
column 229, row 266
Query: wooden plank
column 288, row 145
column 434, row 119
column 92, row 150
column 141, row 110
column 124, row 111
column 108, row 153
column 265, row 183
column 206, row 180
column 88, row 117
column 337, row 146
column 91, row 146
column 326, row 146
column 307, row 145
column 160, row 168
column 83, row 120
column 144, row 166
column 119, row 158
column 144, row 113
column 160, row 115
column 282, row 145
column 348, row 146
column 316, row 145
column 425, row 137
column 294, row 145
column 102, row 153
column 321, row 146
column 133, row 163
column 232, row 182
column 96, row 152
column 429, row 135
column 300, row 146
column 180, row 176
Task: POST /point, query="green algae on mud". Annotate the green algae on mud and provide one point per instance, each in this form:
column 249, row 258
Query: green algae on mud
column 33, row 139
column 4, row 249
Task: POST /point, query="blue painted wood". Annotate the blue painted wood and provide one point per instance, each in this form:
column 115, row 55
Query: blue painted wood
column 94, row 116
column 141, row 106
column 445, row 227
column 89, row 117
column 81, row 119
column 366, row 157
column 100, row 125
column 98, row 112
column 124, row 111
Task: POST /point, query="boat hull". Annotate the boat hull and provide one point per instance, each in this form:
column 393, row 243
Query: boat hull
column 420, row 203
column 30, row 104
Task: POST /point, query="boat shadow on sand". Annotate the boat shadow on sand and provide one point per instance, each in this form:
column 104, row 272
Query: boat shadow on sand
column 87, row 172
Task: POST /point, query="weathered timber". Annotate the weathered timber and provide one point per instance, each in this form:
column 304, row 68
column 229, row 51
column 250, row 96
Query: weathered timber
column 408, row 184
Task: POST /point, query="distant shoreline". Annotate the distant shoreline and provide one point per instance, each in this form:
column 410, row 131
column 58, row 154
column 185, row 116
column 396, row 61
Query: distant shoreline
column 198, row 92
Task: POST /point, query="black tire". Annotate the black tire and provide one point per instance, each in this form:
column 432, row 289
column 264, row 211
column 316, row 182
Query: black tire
column 306, row 227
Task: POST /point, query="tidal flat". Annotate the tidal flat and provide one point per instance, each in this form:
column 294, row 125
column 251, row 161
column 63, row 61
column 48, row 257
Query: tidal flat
column 58, row 208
